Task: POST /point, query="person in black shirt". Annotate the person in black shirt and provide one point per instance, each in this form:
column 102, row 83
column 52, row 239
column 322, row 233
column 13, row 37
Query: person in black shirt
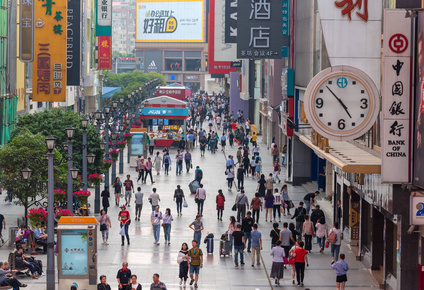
column 103, row 285
column 246, row 225
column 295, row 234
column 309, row 200
column 123, row 277
column 105, row 198
column 299, row 214
column 239, row 245
column 274, row 235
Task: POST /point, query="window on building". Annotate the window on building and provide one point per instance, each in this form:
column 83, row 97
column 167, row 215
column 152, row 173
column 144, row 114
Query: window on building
column 173, row 64
column 193, row 64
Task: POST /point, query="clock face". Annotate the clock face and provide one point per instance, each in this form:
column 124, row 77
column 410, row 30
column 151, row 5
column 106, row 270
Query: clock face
column 341, row 103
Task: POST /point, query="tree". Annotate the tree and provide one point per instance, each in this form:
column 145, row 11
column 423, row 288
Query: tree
column 54, row 122
column 19, row 153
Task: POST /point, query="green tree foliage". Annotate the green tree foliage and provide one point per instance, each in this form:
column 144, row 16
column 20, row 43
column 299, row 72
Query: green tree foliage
column 54, row 122
column 129, row 81
column 19, row 153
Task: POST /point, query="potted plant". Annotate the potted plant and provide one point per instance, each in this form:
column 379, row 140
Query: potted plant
column 107, row 163
column 63, row 212
column 59, row 195
column 114, row 154
column 36, row 216
column 121, row 144
column 128, row 137
column 82, row 196
column 95, row 178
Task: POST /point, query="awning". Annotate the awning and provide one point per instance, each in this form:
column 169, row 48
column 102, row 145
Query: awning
column 164, row 113
column 346, row 156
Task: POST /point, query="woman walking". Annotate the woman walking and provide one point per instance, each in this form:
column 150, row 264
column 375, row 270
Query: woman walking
column 253, row 166
column 292, row 261
column 105, row 225
column 183, row 261
column 166, row 223
column 117, row 185
column 124, row 220
column 277, row 171
column 231, row 228
column 308, row 232
column 335, row 246
column 197, row 227
column 286, row 199
column 178, row 197
column 105, row 198
column 220, row 201
column 261, row 186
column 269, row 205
column 321, row 234
column 240, row 177
column 140, row 167
column 258, row 166
column 157, row 162
column 276, row 208
column 300, row 257
column 277, row 269
column 230, row 177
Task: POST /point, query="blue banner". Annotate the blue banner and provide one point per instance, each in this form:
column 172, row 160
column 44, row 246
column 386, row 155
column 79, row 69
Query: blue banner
column 286, row 18
column 164, row 112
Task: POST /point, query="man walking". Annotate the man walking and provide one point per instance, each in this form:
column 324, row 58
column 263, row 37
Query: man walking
column 256, row 245
column 190, row 139
column 299, row 215
column 187, row 158
column 285, row 237
column 198, row 174
column 129, row 185
column 138, row 203
column 239, row 245
column 241, row 202
column 123, row 277
column 148, row 169
column 179, row 159
column 201, row 196
column 196, row 262
column 246, row 225
column 154, row 199
column 156, row 283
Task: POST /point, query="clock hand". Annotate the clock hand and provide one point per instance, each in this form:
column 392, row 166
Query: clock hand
column 340, row 101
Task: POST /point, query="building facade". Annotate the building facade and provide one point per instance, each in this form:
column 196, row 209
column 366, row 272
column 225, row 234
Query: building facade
column 123, row 26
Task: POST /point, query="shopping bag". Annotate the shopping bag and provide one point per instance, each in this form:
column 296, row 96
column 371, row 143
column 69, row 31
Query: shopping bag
column 185, row 204
column 122, row 231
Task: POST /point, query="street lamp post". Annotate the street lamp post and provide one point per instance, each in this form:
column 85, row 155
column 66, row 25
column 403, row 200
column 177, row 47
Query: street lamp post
column 84, row 125
column 107, row 112
column 121, row 129
column 70, row 131
column 114, row 136
column 50, row 141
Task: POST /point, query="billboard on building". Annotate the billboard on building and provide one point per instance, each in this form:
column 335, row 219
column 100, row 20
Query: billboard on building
column 153, row 61
column 49, row 65
column 105, row 52
column 73, row 47
column 103, row 17
column 169, row 21
column 223, row 51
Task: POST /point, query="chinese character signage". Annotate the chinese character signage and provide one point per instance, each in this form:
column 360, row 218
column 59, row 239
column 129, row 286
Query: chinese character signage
column 104, row 18
column 286, row 17
column 396, row 98
column 358, row 7
column 73, row 48
column 49, row 65
column 169, row 21
column 261, row 36
column 231, row 21
column 26, row 34
column 172, row 92
column 105, row 52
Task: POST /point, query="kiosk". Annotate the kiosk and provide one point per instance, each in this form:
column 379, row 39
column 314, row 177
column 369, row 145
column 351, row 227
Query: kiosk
column 77, row 252
column 138, row 145
column 165, row 119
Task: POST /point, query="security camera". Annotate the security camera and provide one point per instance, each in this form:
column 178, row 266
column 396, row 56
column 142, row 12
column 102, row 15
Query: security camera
column 411, row 229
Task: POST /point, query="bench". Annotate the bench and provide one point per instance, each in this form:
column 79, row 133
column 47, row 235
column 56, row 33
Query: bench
column 33, row 243
column 12, row 266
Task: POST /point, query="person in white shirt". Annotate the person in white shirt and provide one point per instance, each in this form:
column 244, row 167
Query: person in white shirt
column 134, row 285
column 200, row 196
column 138, row 203
column 155, row 218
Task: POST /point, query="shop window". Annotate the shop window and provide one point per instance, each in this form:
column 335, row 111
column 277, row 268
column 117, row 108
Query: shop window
column 302, row 113
column 173, row 64
column 196, row 54
column 193, row 64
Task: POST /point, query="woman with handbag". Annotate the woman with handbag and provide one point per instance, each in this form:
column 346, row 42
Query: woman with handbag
column 166, row 224
column 286, row 198
column 220, row 201
column 124, row 220
column 105, row 225
column 278, row 259
column 183, row 260
column 178, row 197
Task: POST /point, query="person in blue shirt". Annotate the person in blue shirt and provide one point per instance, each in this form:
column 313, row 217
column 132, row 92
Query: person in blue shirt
column 190, row 139
column 230, row 161
column 341, row 268
column 256, row 245
column 41, row 237
column 223, row 141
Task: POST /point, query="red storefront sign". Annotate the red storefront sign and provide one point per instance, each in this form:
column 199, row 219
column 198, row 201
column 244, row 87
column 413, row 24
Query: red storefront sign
column 105, row 52
column 177, row 93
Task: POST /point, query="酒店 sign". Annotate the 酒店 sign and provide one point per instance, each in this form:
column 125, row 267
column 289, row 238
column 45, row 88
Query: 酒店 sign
column 396, row 98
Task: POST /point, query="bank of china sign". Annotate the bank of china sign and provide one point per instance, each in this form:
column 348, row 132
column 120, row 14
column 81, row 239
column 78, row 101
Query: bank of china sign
column 169, row 21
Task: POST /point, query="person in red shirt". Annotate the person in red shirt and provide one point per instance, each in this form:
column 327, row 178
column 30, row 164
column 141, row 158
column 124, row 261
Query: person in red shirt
column 129, row 185
column 233, row 126
column 300, row 257
column 220, row 201
column 124, row 219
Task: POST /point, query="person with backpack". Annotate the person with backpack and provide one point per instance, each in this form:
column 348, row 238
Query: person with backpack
column 220, row 202
column 334, row 238
column 198, row 174
column 178, row 197
column 166, row 162
column 299, row 215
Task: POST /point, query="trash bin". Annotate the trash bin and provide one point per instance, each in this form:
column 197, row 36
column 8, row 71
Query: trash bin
column 12, row 234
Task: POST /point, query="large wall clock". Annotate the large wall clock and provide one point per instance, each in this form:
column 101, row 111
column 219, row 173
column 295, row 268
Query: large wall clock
column 341, row 103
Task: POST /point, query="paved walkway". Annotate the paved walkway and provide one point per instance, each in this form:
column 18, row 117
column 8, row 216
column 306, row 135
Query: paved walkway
column 145, row 258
